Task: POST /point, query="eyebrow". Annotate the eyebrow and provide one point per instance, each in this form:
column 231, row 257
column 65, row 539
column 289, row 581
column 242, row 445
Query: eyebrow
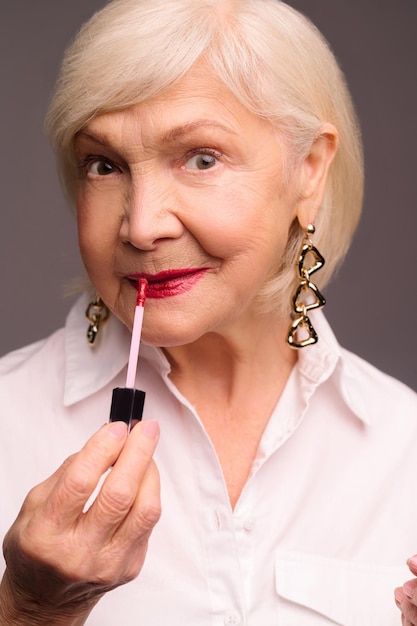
column 171, row 135
column 89, row 135
column 190, row 127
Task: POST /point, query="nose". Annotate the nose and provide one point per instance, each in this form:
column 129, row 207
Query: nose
column 150, row 212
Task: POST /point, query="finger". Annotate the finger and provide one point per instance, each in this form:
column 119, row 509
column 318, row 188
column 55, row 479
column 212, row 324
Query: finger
column 399, row 596
column 412, row 564
column 410, row 590
column 80, row 476
column 409, row 610
column 134, row 534
column 125, row 551
column 407, row 622
column 146, row 509
column 37, row 496
column 122, row 486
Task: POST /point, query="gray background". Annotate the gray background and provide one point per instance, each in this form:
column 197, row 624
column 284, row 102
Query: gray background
column 372, row 303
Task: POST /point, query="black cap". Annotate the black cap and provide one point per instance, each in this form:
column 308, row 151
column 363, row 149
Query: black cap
column 127, row 406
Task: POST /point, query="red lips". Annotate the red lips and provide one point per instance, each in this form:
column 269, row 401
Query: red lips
column 170, row 282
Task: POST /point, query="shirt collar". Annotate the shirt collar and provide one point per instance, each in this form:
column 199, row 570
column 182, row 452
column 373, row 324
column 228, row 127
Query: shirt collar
column 318, row 362
column 89, row 369
column 327, row 360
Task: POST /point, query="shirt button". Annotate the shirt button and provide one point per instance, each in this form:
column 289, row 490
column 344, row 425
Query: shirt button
column 249, row 524
column 232, row 619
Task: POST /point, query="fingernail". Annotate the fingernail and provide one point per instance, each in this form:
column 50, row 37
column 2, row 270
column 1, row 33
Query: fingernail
column 118, row 430
column 408, row 589
column 399, row 595
column 150, row 429
column 412, row 561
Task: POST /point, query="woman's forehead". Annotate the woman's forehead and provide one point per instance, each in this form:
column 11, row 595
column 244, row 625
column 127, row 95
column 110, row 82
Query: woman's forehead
column 197, row 101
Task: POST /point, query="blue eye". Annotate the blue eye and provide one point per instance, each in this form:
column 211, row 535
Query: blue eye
column 201, row 161
column 100, row 167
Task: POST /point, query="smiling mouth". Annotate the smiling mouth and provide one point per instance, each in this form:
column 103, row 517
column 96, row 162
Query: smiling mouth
column 170, row 282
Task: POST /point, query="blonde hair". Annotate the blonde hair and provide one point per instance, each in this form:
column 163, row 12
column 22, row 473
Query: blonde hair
column 272, row 58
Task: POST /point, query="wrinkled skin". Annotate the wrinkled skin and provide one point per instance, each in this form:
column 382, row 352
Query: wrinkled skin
column 61, row 560
column 406, row 597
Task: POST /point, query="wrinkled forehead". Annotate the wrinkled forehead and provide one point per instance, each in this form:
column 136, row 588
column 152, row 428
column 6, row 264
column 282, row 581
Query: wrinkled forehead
column 197, row 101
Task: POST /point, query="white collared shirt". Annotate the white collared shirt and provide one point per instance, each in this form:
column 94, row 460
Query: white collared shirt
column 323, row 526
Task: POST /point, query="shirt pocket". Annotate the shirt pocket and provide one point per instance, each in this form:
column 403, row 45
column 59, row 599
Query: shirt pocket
column 318, row 591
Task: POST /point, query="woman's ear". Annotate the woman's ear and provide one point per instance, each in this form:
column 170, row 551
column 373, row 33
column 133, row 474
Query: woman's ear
column 313, row 174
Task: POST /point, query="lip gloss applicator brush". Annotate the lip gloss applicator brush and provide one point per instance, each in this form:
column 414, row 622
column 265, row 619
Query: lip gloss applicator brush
column 127, row 402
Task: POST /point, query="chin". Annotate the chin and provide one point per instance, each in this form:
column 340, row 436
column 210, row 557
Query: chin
column 167, row 340
column 177, row 334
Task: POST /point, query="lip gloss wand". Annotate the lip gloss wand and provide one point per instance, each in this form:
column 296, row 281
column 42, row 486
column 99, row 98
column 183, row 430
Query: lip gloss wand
column 127, row 402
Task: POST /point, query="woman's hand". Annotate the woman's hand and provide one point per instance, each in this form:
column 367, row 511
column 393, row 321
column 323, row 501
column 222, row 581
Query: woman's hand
column 406, row 597
column 61, row 560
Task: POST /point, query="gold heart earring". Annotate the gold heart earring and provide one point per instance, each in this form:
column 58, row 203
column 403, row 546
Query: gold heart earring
column 96, row 313
column 307, row 296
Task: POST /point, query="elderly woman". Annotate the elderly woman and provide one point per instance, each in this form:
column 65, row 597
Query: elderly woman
column 211, row 148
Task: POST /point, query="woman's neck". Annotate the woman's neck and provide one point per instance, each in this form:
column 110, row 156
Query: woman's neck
column 254, row 351
column 234, row 380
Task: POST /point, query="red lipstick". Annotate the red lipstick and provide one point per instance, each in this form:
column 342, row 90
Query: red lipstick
column 169, row 282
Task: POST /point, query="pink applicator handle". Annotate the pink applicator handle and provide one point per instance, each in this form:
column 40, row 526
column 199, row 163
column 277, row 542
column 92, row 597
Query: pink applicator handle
column 127, row 403
column 134, row 347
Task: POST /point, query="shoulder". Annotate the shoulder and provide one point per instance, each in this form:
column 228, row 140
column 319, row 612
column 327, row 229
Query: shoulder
column 33, row 375
column 34, row 353
column 375, row 393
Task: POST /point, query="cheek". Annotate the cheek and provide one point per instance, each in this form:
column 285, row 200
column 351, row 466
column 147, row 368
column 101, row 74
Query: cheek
column 83, row 225
column 238, row 222
column 87, row 234
column 97, row 236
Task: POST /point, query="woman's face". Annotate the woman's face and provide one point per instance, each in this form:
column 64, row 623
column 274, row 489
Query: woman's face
column 188, row 190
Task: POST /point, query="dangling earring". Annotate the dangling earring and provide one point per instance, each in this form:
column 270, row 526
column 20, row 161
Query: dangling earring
column 96, row 313
column 306, row 297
